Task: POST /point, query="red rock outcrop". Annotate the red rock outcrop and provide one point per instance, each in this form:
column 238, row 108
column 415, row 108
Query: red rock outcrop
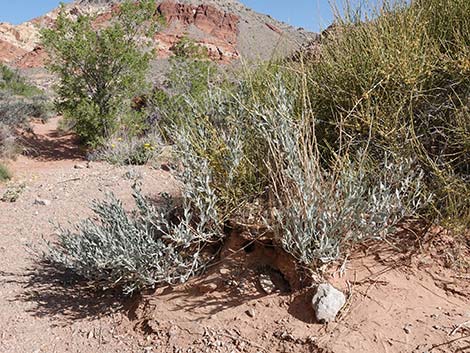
column 35, row 58
column 226, row 30
column 220, row 28
column 207, row 18
column 9, row 52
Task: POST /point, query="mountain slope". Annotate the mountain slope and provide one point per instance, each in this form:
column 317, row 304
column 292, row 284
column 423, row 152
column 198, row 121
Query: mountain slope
column 226, row 28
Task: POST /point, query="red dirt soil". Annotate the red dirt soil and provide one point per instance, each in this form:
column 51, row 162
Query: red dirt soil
column 402, row 297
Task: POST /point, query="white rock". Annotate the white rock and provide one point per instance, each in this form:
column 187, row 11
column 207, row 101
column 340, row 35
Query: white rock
column 266, row 283
column 327, row 302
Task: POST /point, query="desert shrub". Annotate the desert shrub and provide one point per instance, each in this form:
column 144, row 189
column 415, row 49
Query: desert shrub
column 19, row 102
column 100, row 71
column 321, row 208
column 151, row 246
column 4, row 173
column 400, row 82
column 257, row 142
column 16, row 111
column 124, row 149
column 14, row 83
column 9, row 146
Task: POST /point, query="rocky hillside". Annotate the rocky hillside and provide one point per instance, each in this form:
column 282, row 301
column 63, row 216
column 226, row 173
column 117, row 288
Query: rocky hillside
column 226, row 28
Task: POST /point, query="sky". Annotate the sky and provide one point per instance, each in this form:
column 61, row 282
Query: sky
column 313, row 15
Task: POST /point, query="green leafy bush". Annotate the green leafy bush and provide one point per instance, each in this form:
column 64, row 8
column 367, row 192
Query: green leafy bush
column 12, row 82
column 100, row 71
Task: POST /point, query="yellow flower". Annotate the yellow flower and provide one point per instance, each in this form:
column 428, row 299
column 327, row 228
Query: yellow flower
column 119, row 139
column 113, row 145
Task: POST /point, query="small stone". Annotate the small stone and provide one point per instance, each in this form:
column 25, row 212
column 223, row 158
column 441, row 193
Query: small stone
column 311, row 340
column 251, row 312
column 327, row 302
column 79, row 166
column 174, row 330
column 266, row 284
column 284, row 335
column 207, row 287
column 165, row 167
column 407, row 328
column 42, row 202
column 224, row 271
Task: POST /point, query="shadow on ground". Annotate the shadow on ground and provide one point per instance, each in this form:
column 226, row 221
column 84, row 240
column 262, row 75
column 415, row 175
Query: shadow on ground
column 53, row 146
column 64, row 295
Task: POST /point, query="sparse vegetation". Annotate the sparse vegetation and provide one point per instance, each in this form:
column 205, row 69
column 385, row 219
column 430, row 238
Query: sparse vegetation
column 12, row 193
column 19, row 102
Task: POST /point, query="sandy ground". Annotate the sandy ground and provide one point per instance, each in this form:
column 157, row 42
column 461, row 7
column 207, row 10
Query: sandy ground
column 38, row 313
column 401, row 297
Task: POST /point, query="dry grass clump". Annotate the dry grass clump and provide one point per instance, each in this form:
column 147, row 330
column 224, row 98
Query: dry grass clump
column 400, row 82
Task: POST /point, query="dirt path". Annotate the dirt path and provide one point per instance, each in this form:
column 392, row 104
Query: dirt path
column 37, row 313
column 400, row 300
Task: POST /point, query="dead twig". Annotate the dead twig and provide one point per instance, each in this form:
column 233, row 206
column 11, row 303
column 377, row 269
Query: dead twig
column 454, row 331
column 67, row 180
column 449, row 342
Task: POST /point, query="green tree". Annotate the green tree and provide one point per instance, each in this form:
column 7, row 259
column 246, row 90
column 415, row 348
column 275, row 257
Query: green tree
column 100, row 69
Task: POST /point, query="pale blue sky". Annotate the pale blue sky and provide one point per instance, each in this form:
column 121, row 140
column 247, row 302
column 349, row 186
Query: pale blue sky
column 310, row 14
